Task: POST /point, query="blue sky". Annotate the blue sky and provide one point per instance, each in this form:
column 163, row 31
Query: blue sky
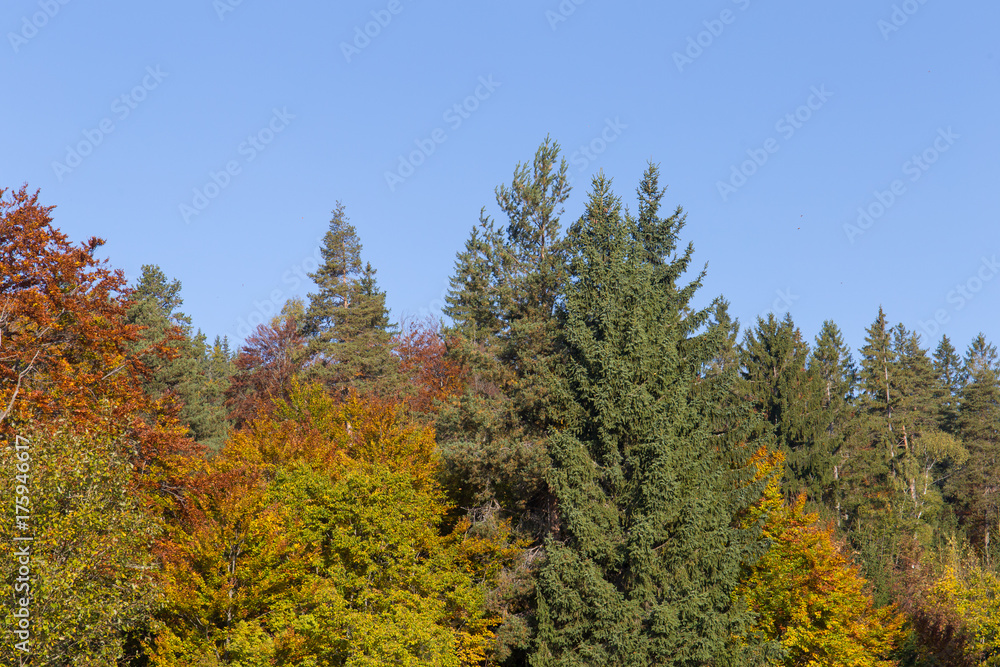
column 213, row 138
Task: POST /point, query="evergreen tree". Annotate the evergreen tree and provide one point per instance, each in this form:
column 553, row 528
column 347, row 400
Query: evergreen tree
column 727, row 356
column 493, row 436
column 868, row 492
column 835, row 375
column 472, row 302
column 647, row 554
column 898, row 454
column 924, row 448
column 164, row 330
column 203, row 391
column 948, row 368
column 831, row 362
column 872, row 444
column 877, row 357
column 183, row 365
column 773, row 356
column 914, row 382
column 346, row 324
column 502, row 305
column 977, row 486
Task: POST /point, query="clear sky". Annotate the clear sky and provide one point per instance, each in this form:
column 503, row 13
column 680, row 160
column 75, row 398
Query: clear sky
column 213, row 138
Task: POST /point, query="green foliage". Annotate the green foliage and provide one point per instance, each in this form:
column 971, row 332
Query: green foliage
column 975, row 486
column 773, row 356
column 91, row 556
column 835, row 375
column 502, row 303
column 587, row 496
column 948, row 369
column 346, row 323
column 647, row 553
column 898, row 456
column 316, row 537
column 183, row 365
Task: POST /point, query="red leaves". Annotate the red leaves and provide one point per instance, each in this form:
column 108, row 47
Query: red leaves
column 423, row 360
column 64, row 339
column 270, row 357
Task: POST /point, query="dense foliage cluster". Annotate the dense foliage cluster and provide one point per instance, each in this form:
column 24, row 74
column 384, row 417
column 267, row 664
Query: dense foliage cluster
column 583, row 466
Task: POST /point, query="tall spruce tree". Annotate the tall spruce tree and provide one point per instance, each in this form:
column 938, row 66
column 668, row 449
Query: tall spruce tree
column 776, row 381
column 869, row 495
column 502, row 306
column 925, row 449
column 914, row 382
column 897, row 454
column 977, row 486
column 872, row 443
column 346, row 324
column 835, row 375
column 182, row 363
column 647, row 553
column 948, row 368
column 877, row 357
column 728, row 355
column 493, row 437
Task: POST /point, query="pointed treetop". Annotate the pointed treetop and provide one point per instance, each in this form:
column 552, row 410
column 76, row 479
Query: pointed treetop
column 153, row 284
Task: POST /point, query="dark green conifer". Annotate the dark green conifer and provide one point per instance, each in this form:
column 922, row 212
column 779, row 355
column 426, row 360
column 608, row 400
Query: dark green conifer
column 948, row 368
column 835, row 376
column 775, row 379
column 502, row 305
column 181, row 361
column 346, row 324
column 647, row 552
column 977, row 485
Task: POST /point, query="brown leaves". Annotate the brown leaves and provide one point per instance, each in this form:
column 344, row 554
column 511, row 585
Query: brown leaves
column 64, row 340
column 424, row 361
column 270, row 357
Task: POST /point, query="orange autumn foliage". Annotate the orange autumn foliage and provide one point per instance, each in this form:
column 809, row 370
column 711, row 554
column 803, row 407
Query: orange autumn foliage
column 805, row 591
column 422, row 358
column 317, row 428
column 268, row 360
column 65, row 343
column 316, row 536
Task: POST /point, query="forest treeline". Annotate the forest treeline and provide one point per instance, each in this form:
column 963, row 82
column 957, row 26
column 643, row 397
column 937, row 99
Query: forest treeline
column 581, row 466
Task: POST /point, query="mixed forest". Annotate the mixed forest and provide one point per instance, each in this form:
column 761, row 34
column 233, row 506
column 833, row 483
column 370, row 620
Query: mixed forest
column 579, row 465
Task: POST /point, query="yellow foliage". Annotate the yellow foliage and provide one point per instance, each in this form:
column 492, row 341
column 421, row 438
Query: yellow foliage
column 970, row 592
column 807, row 594
column 315, row 537
column 327, row 433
